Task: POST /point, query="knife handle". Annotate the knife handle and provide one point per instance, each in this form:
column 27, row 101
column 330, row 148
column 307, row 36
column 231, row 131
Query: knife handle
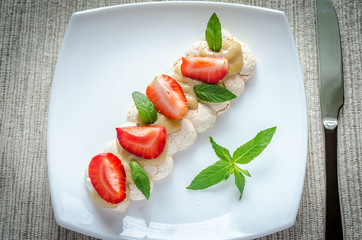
column 333, row 228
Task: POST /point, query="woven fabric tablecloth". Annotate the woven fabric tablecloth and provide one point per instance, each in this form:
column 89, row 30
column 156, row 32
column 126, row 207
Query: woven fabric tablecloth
column 31, row 33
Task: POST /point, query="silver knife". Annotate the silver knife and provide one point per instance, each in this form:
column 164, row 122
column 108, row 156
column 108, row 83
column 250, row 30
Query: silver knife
column 331, row 98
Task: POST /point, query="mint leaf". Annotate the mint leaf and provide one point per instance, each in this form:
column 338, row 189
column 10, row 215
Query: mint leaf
column 140, row 178
column 211, row 175
column 245, row 172
column 213, row 33
column 220, row 151
column 145, row 107
column 213, row 93
column 239, row 180
column 254, row 147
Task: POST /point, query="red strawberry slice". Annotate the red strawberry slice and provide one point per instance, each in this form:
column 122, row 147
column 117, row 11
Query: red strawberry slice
column 143, row 141
column 206, row 69
column 167, row 96
column 108, row 177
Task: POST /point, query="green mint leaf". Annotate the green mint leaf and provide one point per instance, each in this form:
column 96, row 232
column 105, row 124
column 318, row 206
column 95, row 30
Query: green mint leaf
column 145, row 107
column 239, row 180
column 213, row 33
column 220, row 151
column 140, row 178
column 254, row 147
column 213, row 93
column 245, row 172
column 211, row 175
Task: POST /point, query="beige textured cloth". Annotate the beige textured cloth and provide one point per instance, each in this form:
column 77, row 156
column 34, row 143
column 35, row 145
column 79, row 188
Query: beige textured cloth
column 31, row 33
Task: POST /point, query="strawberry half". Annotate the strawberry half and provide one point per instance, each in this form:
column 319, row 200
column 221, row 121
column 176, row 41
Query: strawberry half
column 206, row 69
column 167, row 96
column 143, row 141
column 108, row 177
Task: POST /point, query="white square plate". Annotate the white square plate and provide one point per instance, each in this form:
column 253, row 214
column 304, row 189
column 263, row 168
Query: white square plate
column 110, row 52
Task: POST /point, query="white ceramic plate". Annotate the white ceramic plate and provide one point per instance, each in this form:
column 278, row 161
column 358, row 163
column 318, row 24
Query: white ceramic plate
column 108, row 53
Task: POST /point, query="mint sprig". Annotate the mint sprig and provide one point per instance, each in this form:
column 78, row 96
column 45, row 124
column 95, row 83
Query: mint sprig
column 213, row 93
column 227, row 165
column 213, row 33
column 140, row 178
column 145, row 107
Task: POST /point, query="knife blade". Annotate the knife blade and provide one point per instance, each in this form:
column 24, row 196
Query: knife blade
column 331, row 99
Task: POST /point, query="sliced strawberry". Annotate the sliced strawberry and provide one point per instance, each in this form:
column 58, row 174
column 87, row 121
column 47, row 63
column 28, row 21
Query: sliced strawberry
column 108, row 177
column 143, row 141
column 167, row 96
column 206, row 69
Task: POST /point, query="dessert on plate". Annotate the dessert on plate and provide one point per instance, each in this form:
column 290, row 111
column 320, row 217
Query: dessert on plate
column 143, row 150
